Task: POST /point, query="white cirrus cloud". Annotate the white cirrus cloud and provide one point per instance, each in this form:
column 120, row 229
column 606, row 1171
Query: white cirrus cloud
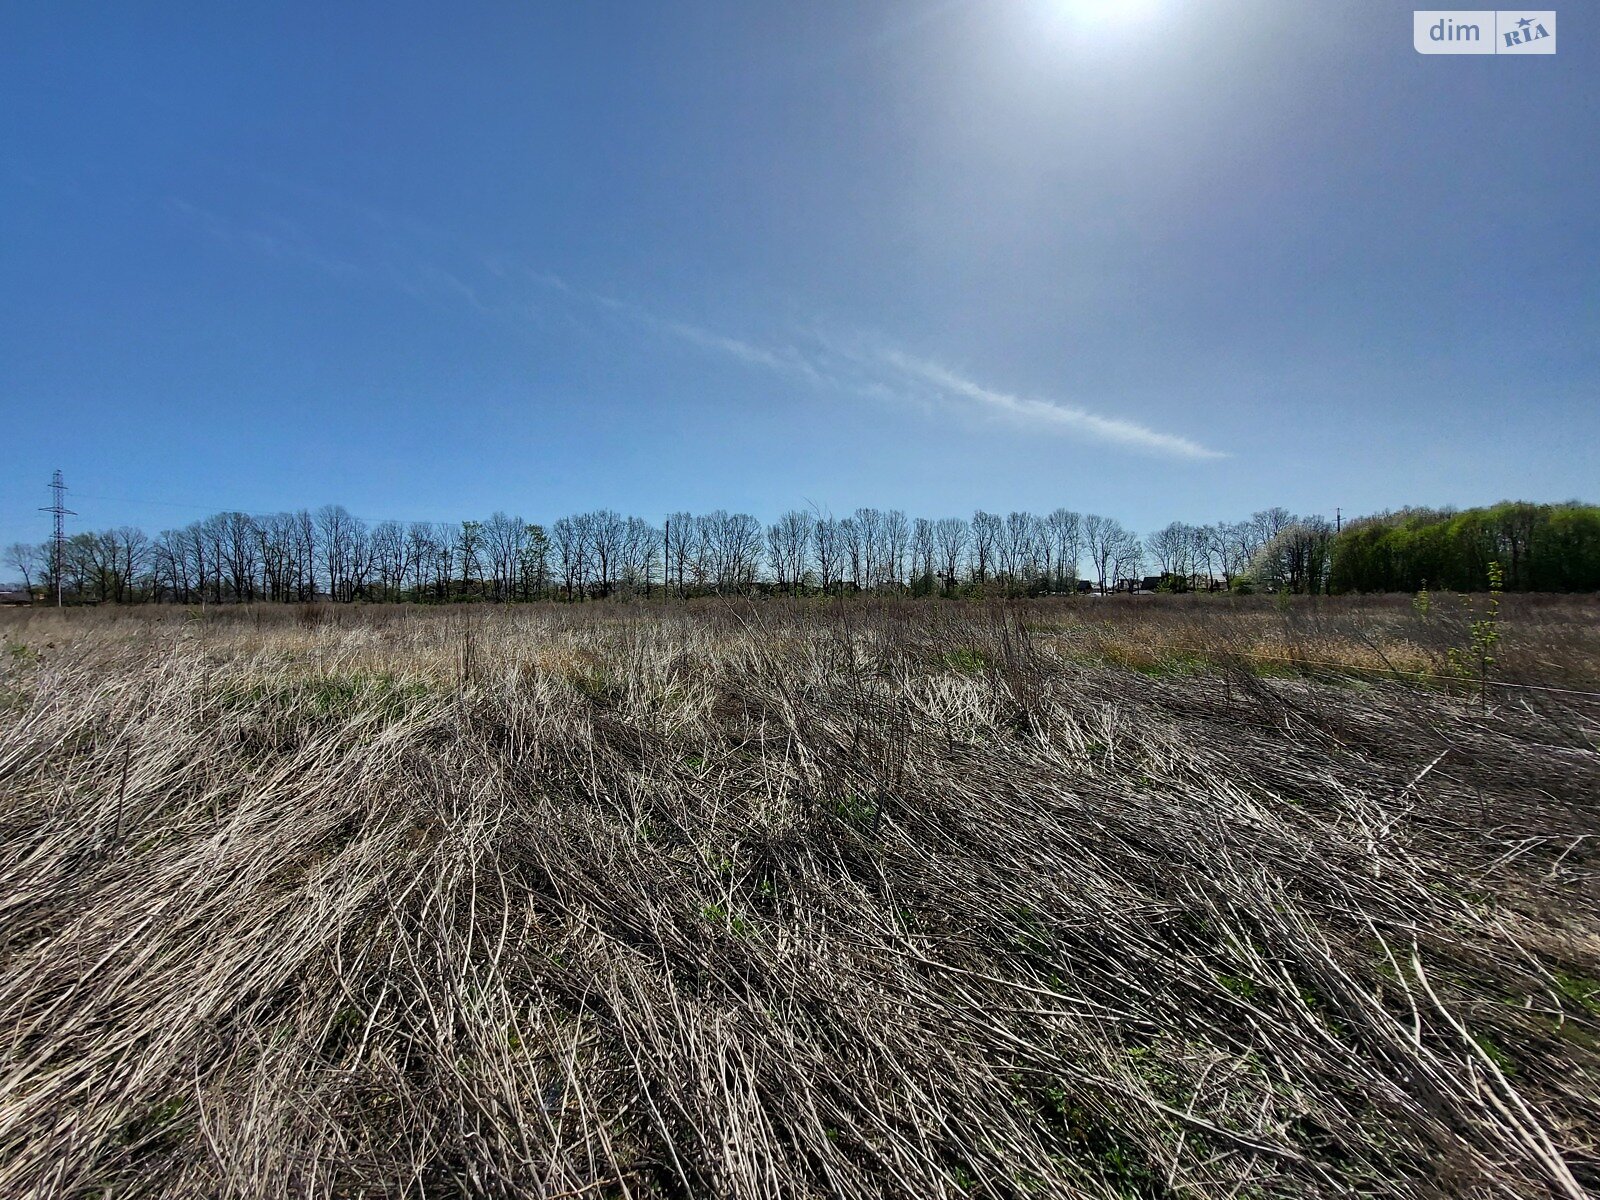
column 1046, row 414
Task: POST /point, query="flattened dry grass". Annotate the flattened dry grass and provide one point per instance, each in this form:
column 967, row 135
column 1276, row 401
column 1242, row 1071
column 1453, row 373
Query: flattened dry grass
column 787, row 900
column 1544, row 640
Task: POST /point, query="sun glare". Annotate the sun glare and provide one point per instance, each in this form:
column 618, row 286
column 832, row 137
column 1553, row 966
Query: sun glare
column 1107, row 17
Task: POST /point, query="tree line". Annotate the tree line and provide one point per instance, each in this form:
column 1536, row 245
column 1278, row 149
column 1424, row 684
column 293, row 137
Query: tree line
column 330, row 554
column 1540, row 548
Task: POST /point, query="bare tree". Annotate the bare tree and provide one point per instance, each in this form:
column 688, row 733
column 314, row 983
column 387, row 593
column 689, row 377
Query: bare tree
column 1018, row 548
column 787, row 541
column 305, row 553
column 702, row 564
column 502, row 546
column 856, row 554
column 420, row 554
column 23, row 558
column 213, row 534
column 535, row 562
column 987, row 530
column 132, row 559
column 276, row 549
column 827, row 542
column 641, row 543
column 953, row 535
column 1262, row 527
column 335, row 527
column 1127, row 555
column 1100, row 535
column 896, row 540
column 470, row 548
column 571, row 538
column 680, row 538
column 172, row 565
column 239, row 544
column 607, row 532
column 735, row 544
column 389, row 557
column 1065, row 531
column 198, row 559
column 446, row 540
column 924, row 553
column 89, row 560
column 869, row 532
column 1177, row 550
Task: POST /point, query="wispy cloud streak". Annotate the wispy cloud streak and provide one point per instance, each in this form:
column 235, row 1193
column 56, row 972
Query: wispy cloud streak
column 889, row 372
column 785, row 359
column 1049, row 414
column 854, row 365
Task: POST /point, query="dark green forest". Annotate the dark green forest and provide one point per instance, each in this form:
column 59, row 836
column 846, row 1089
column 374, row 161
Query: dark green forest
column 1540, row 548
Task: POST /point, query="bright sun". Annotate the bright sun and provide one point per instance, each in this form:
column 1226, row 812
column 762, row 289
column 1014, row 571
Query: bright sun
column 1110, row 14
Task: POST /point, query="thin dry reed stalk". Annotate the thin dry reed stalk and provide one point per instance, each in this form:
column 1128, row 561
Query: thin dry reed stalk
column 788, row 900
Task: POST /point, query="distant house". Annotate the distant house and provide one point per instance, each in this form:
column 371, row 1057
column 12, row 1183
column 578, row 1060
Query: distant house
column 1168, row 582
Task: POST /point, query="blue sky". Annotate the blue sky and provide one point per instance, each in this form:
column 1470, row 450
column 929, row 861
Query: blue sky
column 1165, row 259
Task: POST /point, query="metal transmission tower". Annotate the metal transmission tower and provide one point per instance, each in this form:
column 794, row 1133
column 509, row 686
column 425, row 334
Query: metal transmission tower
column 57, row 509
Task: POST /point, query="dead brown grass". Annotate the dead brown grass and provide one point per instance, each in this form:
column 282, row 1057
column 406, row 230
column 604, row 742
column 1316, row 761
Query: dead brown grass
column 794, row 900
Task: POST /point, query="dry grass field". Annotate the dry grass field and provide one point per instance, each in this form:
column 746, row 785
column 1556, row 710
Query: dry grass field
column 1166, row 897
